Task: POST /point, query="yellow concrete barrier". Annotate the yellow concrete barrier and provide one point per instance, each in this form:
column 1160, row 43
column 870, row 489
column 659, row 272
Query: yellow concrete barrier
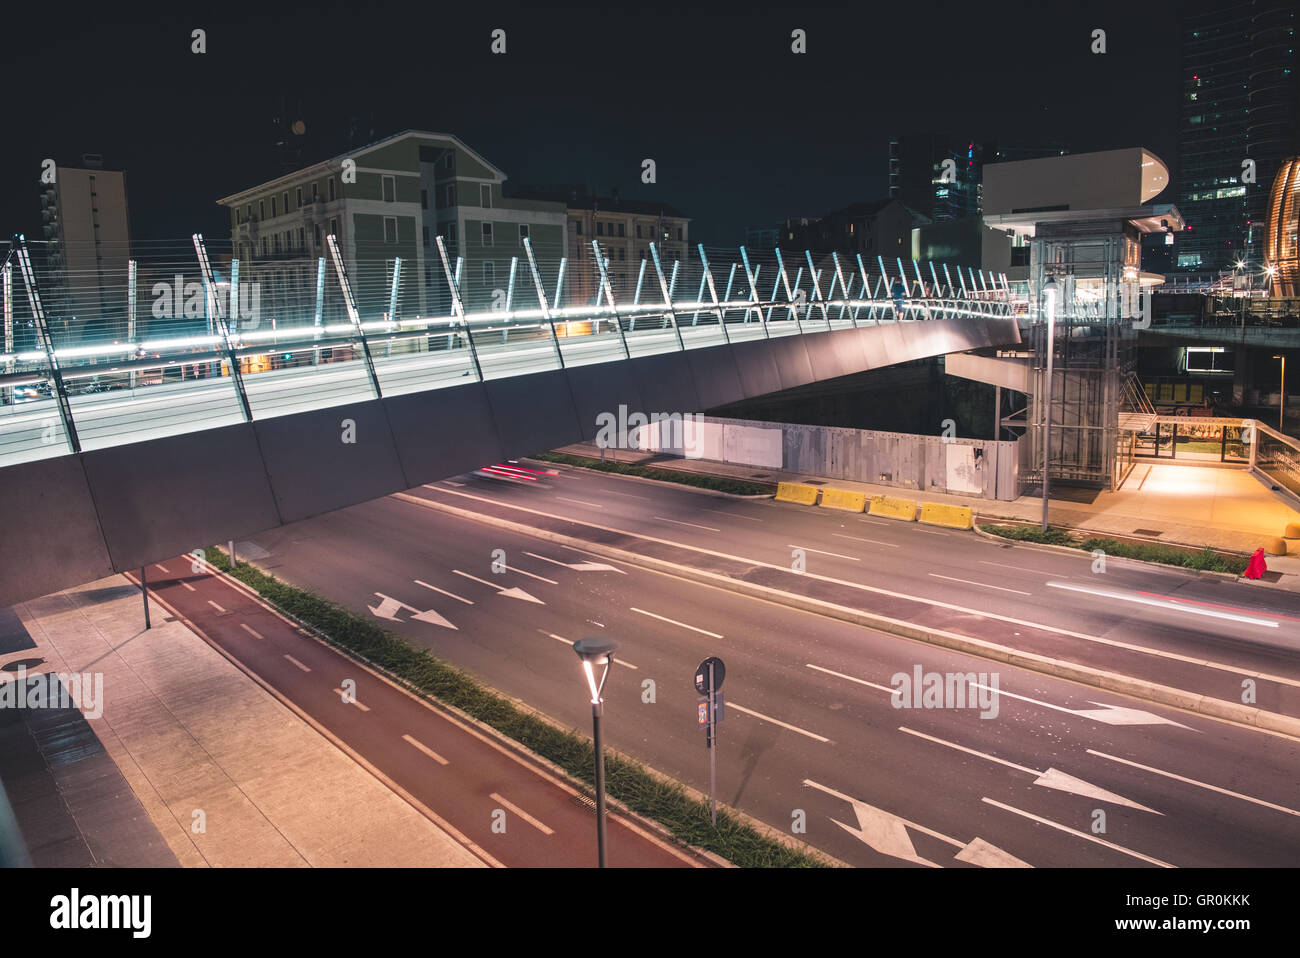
column 1275, row 546
column 1292, row 530
column 954, row 517
column 796, row 492
column 891, row 507
column 845, row 499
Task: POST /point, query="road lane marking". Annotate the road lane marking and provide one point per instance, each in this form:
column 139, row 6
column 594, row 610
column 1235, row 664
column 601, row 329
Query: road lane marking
column 217, row 607
column 569, row 642
column 664, row 618
column 581, row 502
column 841, row 675
column 734, row 515
column 1162, row 604
column 426, row 750
column 188, row 586
column 1019, row 568
column 884, row 831
column 1106, row 714
column 626, row 495
column 579, row 566
column 691, row 524
column 296, row 662
column 159, row 565
column 530, row 575
column 1078, row 834
column 791, row 545
column 890, row 545
column 450, row 595
column 1052, row 778
column 983, row 584
column 251, row 631
column 357, row 703
column 768, row 718
column 515, row 593
column 992, row 616
column 523, row 814
column 1192, row 781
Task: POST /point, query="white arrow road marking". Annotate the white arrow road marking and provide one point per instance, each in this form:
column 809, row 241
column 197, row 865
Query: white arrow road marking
column 1107, row 714
column 580, row 566
column 515, row 593
column 887, row 834
column 1052, row 778
column 1192, row 781
column 389, row 607
column 1163, row 604
column 1077, row 833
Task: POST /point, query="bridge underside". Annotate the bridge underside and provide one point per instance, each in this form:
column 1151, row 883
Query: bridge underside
column 71, row 519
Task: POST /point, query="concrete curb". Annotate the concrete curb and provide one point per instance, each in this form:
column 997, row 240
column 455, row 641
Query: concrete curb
column 577, row 786
column 660, row 482
column 1085, row 675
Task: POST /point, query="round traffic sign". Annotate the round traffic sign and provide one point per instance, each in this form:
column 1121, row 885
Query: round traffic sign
column 702, row 675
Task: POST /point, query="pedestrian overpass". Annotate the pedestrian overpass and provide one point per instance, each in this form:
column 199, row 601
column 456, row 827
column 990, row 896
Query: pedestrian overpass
column 117, row 452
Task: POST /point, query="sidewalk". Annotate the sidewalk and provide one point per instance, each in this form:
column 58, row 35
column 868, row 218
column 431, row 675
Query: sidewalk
column 1186, row 505
column 226, row 774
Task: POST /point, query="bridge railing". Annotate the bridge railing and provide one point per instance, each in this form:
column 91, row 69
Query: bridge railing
column 164, row 341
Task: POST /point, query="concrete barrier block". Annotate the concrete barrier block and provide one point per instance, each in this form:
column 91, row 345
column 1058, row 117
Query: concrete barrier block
column 1275, row 546
column 893, row 507
column 954, row 517
column 844, row 499
column 798, row 492
column 1292, row 531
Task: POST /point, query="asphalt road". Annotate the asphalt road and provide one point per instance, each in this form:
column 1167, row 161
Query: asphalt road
column 1056, row 775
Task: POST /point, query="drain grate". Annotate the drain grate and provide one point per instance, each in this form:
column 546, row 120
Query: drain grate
column 1148, row 532
column 1272, row 577
column 587, row 802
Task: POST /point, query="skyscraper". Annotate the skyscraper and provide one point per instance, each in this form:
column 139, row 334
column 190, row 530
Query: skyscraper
column 1238, row 104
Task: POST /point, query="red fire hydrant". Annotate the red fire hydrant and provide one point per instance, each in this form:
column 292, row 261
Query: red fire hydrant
column 1257, row 566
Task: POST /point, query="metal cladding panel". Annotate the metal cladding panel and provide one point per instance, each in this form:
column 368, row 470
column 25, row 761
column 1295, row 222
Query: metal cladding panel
column 534, row 412
column 443, row 432
column 825, row 354
column 312, row 468
column 716, row 379
column 792, row 363
column 603, row 387
column 50, row 531
column 756, row 367
column 171, row 495
column 666, row 383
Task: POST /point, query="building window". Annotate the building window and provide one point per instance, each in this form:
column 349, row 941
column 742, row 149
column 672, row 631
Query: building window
column 600, row 229
column 679, row 234
column 425, row 232
column 487, row 234
column 489, row 274
column 334, row 227
column 331, row 189
column 261, row 209
column 578, row 224
column 449, row 160
column 315, row 192
column 317, row 228
column 622, row 229
column 424, row 199
column 451, row 194
column 249, row 211
column 638, row 230
column 451, row 233
column 298, row 197
column 621, row 251
column 389, row 189
column 390, row 229
column 284, row 200
column 302, row 237
column 485, row 196
column 523, row 233
column 277, row 242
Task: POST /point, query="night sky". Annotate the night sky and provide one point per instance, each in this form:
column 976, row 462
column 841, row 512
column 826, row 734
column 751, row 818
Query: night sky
column 743, row 131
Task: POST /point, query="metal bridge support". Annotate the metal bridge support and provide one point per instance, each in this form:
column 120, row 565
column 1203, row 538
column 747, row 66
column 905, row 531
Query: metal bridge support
column 350, row 302
column 47, row 342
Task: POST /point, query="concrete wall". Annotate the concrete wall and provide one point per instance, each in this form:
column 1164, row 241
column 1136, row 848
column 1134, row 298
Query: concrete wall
column 969, row 467
column 70, row 519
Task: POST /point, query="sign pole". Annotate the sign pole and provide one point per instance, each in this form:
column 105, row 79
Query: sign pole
column 713, row 756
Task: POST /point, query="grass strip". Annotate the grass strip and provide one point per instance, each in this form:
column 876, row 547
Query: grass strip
column 740, row 487
column 1203, row 559
column 665, row 802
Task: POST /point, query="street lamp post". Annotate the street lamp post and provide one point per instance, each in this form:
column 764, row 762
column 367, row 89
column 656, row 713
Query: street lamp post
column 1049, row 309
column 597, row 652
column 1281, row 399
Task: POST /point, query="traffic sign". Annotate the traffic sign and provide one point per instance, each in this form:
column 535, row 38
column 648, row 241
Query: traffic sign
column 702, row 675
column 719, row 710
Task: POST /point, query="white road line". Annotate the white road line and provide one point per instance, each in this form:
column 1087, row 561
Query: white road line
column 426, row 750
column 931, row 532
column 734, row 515
column 841, row 675
column 570, row 642
column 593, row 555
column 296, row 662
column 1107, row 714
column 971, row 751
column 450, row 595
column 523, row 814
column 626, row 495
column 768, row 718
column 1162, row 604
column 663, row 618
column 691, row 524
column 364, row 708
column 490, row 585
column 251, row 631
column 890, row 545
column 581, row 502
column 188, row 586
column 159, row 565
column 451, row 483
column 984, row 584
column 215, row 606
column 791, row 545
column 544, row 559
column 1192, row 781
column 1079, row 834
column 863, row 587
column 1019, row 568
column 530, row 575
